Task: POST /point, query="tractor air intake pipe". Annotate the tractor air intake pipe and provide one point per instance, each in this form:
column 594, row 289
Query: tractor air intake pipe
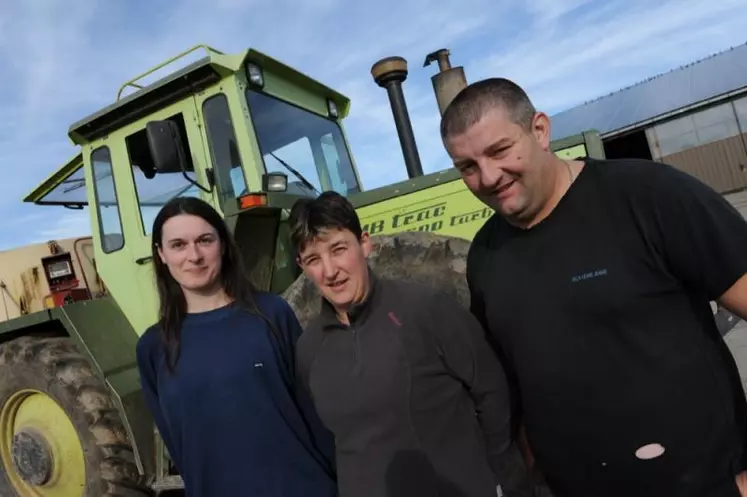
column 389, row 73
column 449, row 81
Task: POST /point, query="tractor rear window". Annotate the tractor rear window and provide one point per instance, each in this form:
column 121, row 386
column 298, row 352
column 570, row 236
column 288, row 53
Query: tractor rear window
column 107, row 207
column 310, row 143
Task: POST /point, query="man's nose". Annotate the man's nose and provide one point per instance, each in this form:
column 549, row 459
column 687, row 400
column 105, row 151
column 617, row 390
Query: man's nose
column 490, row 175
column 329, row 268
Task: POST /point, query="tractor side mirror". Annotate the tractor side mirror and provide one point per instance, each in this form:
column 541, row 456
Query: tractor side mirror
column 165, row 146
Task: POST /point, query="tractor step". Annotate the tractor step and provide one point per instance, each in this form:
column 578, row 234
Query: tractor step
column 168, row 484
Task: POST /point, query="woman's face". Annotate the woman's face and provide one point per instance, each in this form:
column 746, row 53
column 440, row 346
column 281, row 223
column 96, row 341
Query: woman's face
column 191, row 249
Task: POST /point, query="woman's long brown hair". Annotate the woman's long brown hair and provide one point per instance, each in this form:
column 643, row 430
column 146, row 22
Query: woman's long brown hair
column 236, row 284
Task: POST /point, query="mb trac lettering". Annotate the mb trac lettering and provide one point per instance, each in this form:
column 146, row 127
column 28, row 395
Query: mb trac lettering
column 471, row 217
column 432, row 218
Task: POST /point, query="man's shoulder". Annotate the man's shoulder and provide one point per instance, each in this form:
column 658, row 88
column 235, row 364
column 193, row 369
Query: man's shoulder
column 315, row 324
column 396, row 287
column 313, row 333
column 308, row 344
column 635, row 172
column 417, row 295
column 483, row 235
column 646, row 184
column 490, row 236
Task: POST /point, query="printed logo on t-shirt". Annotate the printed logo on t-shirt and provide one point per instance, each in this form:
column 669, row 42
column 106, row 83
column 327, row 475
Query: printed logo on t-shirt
column 587, row 276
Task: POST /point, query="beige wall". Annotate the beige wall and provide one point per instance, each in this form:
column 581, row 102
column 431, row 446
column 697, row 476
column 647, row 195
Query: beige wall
column 23, row 277
column 722, row 165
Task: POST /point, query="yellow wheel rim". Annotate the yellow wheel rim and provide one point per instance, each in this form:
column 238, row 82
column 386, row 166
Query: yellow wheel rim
column 40, row 449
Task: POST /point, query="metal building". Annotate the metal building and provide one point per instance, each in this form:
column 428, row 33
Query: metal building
column 694, row 118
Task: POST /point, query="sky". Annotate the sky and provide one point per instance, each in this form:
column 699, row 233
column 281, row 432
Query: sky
column 61, row 61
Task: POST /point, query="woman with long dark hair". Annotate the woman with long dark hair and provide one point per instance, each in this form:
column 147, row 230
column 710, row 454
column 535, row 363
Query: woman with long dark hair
column 218, row 369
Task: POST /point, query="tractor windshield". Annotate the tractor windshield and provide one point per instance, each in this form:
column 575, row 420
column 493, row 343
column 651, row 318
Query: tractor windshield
column 310, row 143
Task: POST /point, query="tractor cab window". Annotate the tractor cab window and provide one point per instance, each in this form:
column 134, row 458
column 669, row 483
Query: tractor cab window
column 223, row 148
column 155, row 189
column 312, row 145
column 107, row 207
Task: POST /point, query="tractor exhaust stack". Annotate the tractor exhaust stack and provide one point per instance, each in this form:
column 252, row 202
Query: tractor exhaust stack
column 448, row 81
column 389, row 73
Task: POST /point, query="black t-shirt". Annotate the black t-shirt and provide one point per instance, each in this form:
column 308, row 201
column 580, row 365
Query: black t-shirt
column 602, row 315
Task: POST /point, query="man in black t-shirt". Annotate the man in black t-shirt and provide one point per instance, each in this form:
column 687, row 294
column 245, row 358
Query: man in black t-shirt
column 594, row 282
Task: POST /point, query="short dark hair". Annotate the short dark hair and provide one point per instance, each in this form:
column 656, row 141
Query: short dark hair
column 476, row 99
column 310, row 217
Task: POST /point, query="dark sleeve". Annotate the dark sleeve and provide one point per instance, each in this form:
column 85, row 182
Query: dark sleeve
column 466, row 353
column 147, row 366
column 320, row 436
column 702, row 237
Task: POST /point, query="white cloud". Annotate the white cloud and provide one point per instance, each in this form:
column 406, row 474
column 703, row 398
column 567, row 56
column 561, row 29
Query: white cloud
column 37, row 228
column 562, row 51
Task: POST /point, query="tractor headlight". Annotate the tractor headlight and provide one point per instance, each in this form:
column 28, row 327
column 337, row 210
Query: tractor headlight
column 274, row 182
column 254, row 74
column 332, row 108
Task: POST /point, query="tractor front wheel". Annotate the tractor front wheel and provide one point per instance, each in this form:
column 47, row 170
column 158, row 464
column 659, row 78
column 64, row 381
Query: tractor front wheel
column 60, row 435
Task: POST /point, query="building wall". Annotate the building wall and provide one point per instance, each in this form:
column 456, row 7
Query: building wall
column 720, row 164
column 710, row 144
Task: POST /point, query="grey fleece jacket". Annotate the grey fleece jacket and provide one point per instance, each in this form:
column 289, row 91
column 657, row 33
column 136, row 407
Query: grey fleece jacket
column 414, row 395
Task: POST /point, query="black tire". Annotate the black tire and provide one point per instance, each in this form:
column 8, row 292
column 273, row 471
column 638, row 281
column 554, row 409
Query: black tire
column 54, row 367
column 438, row 260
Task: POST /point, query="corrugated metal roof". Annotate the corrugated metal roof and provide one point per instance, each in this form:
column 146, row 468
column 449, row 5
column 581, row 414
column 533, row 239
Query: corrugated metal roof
column 716, row 75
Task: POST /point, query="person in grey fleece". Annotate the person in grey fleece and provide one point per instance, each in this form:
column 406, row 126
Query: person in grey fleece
column 401, row 374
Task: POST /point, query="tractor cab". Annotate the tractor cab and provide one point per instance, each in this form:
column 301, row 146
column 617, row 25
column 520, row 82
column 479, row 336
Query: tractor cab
column 244, row 132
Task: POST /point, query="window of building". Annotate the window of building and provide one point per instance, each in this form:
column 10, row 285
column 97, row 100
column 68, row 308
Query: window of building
column 224, row 151
column 715, row 123
column 699, row 128
column 107, row 207
column 740, row 106
column 155, row 189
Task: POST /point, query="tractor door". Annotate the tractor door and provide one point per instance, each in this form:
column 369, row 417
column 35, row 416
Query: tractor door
column 124, row 177
column 219, row 109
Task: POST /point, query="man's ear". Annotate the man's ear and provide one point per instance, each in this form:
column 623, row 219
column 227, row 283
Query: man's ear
column 541, row 129
column 366, row 243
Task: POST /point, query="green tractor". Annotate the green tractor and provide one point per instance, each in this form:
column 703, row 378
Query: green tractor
column 249, row 135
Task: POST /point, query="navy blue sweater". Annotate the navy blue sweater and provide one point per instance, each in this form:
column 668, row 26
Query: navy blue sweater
column 232, row 415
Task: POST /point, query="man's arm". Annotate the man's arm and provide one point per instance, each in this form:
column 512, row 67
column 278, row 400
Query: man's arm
column 467, row 354
column 703, row 238
column 321, row 437
column 735, row 298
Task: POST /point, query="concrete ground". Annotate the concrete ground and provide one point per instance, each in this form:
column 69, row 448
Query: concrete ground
column 736, row 339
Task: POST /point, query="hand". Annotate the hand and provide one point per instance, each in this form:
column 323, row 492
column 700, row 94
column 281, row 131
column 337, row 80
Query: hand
column 741, row 479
